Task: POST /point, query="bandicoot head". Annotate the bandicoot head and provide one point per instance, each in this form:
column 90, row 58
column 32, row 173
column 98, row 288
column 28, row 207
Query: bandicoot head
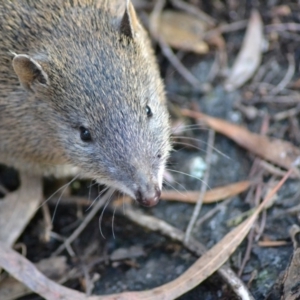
column 102, row 98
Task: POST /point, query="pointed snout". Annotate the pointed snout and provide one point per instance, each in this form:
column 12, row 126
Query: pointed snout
column 147, row 198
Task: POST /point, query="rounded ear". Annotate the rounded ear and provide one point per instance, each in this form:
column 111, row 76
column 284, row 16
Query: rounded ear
column 129, row 23
column 29, row 71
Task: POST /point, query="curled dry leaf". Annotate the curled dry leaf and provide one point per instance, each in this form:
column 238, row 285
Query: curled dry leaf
column 182, row 31
column 277, row 151
column 214, row 195
column 249, row 57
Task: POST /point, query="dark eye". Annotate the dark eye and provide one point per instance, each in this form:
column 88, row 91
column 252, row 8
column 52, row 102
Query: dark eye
column 158, row 156
column 85, row 134
column 149, row 111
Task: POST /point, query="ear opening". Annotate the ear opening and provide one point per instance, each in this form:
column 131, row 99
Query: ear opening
column 129, row 24
column 29, row 71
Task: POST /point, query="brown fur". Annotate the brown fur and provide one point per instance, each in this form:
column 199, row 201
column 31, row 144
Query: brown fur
column 81, row 64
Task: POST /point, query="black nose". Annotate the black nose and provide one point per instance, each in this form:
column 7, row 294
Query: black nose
column 148, row 199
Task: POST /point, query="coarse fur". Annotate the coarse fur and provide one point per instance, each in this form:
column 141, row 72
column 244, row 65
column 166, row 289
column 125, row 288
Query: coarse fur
column 80, row 65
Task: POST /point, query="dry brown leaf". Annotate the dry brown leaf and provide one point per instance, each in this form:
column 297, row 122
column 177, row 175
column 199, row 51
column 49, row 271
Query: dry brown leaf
column 17, row 208
column 27, row 273
column 214, row 195
column 182, row 31
column 279, row 152
column 249, row 57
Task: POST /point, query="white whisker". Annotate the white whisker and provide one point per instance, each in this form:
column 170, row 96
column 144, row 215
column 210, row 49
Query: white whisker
column 112, row 223
column 63, row 188
column 205, row 143
column 101, row 216
column 100, row 194
column 175, row 171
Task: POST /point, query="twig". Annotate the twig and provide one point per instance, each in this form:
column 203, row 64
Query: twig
column 193, row 10
column 248, row 252
column 273, row 243
column 212, row 212
column 290, row 35
column 87, row 219
column 282, row 100
column 288, row 76
column 271, row 169
column 283, row 27
column 89, row 286
column 181, row 69
column 47, row 223
column 262, row 225
column 71, row 200
column 154, row 17
column 60, row 238
column 287, row 113
column 225, row 28
column 167, row 51
column 255, row 170
column 198, row 206
column 215, row 68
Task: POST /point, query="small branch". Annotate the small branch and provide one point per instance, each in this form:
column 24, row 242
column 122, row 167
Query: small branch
column 198, row 206
column 181, row 69
column 288, row 76
column 193, row 10
column 167, row 51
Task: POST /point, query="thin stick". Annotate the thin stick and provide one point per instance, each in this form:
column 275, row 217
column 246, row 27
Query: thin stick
column 167, row 51
column 47, row 223
column 180, row 68
column 193, row 10
column 225, row 28
column 283, row 27
column 213, row 211
column 288, row 76
column 198, row 206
